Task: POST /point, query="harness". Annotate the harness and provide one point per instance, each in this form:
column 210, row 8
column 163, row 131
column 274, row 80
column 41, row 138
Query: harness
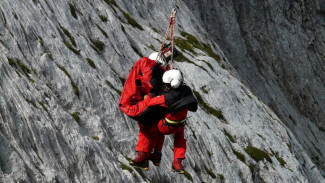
column 171, row 122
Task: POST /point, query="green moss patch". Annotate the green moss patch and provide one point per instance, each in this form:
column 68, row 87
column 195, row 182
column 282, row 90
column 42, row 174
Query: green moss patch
column 111, row 2
column 257, row 154
column 184, row 45
column 190, row 38
column 209, row 171
column 50, row 55
column 91, row 63
column 239, row 155
column 123, row 29
column 95, row 138
column 20, row 66
column 73, row 11
column 221, row 177
column 67, row 33
column 136, row 50
column 316, row 160
column 193, row 132
column 131, row 21
column 15, row 16
column 209, row 65
column 139, row 170
column 230, row 137
column 207, row 48
column 251, row 167
column 207, row 108
column 23, row 67
column 190, row 42
column 31, row 102
column 209, row 153
column 125, row 167
column 72, row 44
column 76, row 117
column 103, row 18
column 75, row 89
column 97, row 45
column 101, row 30
column 12, row 62
column 122, row 80
column 261, row 136
column 65, row 71
column 152, row 47
column 43, row 106
column 204, row 90
column 111, row 86
column 182, row 58
column 281, row 161
column 154, row 29
column 68, row 45
column 40, row 40
column 74, row 85
column 188, row 176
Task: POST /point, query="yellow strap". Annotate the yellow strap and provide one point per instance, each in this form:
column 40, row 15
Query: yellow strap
column 174, row 122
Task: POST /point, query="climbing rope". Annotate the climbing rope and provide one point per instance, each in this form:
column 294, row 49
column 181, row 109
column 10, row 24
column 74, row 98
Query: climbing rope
column 170, row 29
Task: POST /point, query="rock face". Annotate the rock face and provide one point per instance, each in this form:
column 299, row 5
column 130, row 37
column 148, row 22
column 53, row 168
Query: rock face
column 277, row 49
column 257, row 69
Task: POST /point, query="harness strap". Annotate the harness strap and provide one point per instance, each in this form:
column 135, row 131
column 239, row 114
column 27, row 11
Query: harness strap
column 174, row 122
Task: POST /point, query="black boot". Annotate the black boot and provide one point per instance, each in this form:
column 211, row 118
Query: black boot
column 141, row 160
column 155, row 158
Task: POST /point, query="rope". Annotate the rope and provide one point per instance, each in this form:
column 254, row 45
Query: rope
column 171, row 29
column 172, row 36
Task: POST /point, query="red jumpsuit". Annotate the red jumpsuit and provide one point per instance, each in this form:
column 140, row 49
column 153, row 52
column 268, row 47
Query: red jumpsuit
column 132, row 100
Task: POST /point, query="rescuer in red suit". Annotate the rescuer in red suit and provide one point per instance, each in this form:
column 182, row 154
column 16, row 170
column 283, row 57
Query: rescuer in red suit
column 142, row 100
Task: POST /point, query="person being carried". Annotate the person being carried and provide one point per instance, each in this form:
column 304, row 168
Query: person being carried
column 172, row 123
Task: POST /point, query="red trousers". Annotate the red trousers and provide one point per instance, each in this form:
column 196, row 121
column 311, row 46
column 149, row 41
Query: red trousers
column 153, row 136
column 149, row 139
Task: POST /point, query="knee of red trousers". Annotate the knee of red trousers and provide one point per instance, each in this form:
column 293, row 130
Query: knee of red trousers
column 156, row 143
column 179, row 151
column 149, row 138
column 143, row 143
column 156, row 138
column 160, row 143
column 179, row 143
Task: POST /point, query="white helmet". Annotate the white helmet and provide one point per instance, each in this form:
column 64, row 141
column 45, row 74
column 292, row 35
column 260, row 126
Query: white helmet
column 173, row 77
column 158, row 58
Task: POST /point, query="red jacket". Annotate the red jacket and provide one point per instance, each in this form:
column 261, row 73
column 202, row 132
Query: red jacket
column 139, row 83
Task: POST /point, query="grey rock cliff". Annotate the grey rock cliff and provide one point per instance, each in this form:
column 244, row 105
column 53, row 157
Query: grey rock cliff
column 277, row 49
column 257, row 69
